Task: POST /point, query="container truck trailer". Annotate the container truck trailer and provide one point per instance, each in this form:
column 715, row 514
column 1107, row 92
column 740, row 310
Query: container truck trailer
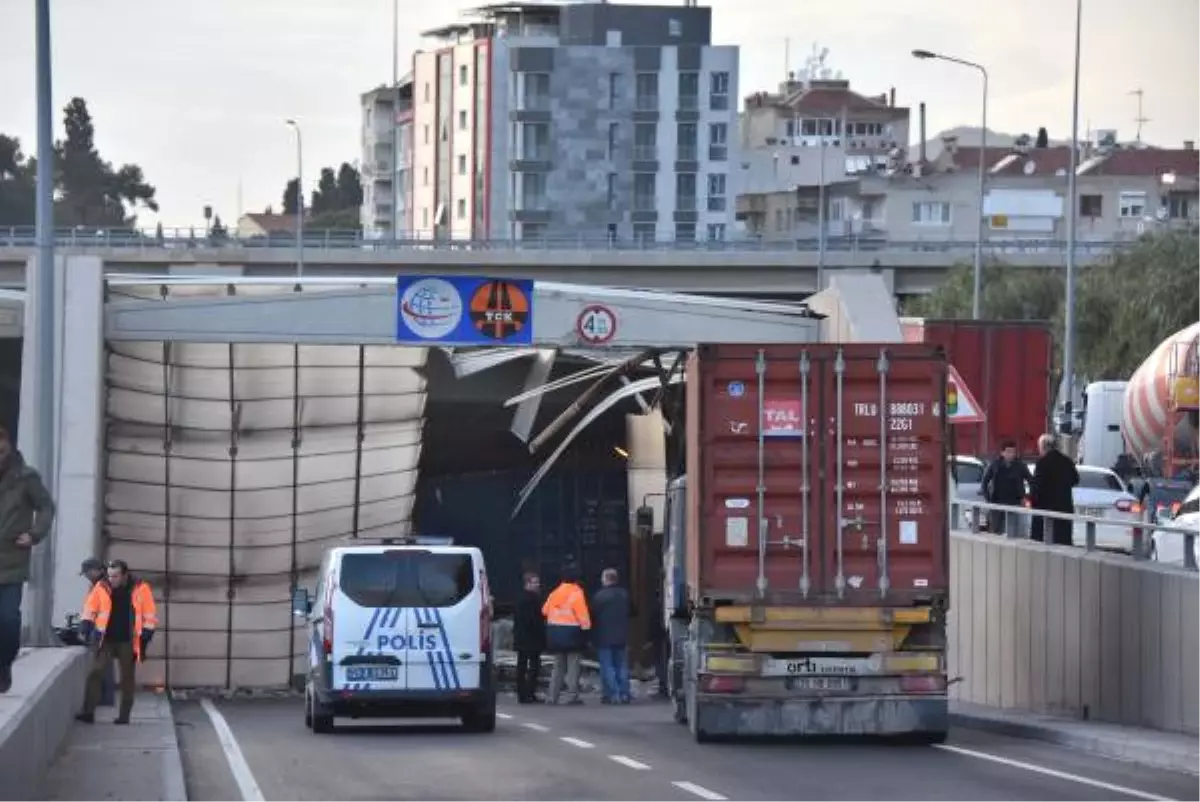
column 806, row 549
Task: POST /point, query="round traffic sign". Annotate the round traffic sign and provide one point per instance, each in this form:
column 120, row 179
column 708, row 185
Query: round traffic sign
column 596, row 324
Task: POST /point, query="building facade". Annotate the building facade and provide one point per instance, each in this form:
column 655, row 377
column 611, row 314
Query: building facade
column 386, row 153
column 590, row 121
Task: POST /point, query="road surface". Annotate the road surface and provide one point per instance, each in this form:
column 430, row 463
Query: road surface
column 617, row 753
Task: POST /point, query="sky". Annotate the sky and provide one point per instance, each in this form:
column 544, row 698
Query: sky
column 197, row 92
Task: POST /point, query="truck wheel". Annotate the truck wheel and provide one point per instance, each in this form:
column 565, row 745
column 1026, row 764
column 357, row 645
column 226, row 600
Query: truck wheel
column 322, row 720
column 699, row 734
column 480, row 721
column 927, row 738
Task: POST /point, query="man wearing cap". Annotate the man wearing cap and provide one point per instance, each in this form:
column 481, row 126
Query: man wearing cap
column 93, row 569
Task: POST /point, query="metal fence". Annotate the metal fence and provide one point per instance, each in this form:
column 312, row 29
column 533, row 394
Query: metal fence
column 1018, row 525
column 332, row 239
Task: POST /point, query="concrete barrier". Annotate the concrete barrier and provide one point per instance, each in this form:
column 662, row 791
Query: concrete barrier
column 1060, row 631
column 36, row 715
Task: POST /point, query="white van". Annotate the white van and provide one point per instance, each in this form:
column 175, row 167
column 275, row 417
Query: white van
column 399, row 628
column 1101, row 442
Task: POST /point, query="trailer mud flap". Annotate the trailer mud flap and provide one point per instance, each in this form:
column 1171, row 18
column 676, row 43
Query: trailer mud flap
column 718, row 717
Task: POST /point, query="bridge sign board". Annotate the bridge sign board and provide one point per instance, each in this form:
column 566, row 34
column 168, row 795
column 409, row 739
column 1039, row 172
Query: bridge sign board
column 463, row 310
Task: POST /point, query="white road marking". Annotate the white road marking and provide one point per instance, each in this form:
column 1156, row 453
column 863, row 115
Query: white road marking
column 504, row 715
column 233, row 753
column 699, row 790
column 1062, row 775
column 535, row 727
column 630, row 762
column 576, row 742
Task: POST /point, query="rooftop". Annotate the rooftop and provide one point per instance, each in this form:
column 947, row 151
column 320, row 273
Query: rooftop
column 1003, row 161
column 824, row 97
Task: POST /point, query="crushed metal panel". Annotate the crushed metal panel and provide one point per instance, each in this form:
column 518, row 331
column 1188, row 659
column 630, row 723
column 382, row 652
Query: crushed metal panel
column 526, row 414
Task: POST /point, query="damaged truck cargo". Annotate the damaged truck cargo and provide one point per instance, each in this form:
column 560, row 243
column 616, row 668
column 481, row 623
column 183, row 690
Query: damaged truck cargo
column 806, row 555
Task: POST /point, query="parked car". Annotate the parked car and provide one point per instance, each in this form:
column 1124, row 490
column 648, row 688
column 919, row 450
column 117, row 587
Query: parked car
column 965, row 476
column 1168, row 547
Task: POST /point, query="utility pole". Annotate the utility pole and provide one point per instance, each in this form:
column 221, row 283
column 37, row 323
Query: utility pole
column 1140, row 119
column 393, row 168
column 1072, row 205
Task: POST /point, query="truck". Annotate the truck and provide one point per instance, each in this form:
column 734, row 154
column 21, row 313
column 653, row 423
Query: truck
column 1007, row 365
column 806, row 548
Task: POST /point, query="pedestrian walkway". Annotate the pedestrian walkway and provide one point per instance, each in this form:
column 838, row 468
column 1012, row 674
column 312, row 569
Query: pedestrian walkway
column 1172, row 751
column 137, row 762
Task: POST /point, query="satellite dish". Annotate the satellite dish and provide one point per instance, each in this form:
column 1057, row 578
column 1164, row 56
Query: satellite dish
column 1030, row 168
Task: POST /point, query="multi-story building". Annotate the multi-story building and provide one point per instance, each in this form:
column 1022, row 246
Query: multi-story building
column 386, row 153
column 582, row 120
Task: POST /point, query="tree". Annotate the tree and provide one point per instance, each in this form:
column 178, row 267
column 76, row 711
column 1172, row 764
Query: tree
column 1043, row 139
column 89, row 190
column 291, row 196
column 325, row 197
column 334, row 204
column 217, row 231
column 349, row 187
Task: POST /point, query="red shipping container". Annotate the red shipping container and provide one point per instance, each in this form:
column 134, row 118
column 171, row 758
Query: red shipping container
column 833, row 489
column 1007, row 366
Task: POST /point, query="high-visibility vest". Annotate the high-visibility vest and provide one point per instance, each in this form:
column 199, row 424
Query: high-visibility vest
column 566, row 607
column 97, row 608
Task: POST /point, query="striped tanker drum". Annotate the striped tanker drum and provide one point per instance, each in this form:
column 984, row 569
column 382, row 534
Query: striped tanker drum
column 1162, row 385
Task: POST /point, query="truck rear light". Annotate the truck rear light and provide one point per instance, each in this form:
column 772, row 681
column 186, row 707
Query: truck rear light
column 719, row 684
column 922, row 683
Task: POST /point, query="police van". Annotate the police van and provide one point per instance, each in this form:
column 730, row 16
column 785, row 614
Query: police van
column 399, row 628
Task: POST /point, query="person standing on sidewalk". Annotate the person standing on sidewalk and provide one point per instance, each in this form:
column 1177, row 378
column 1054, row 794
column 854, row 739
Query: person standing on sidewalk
column 610, row 614
column 120, row 613
column 567, row 626
column 26, row 513
column 529, row 638
column 92, row 569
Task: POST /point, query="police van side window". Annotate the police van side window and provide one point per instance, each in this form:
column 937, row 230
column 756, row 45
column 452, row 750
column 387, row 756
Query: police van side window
column 407, row 579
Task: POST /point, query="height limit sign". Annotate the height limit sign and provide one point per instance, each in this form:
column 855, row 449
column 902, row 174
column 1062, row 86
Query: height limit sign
column 596, row 324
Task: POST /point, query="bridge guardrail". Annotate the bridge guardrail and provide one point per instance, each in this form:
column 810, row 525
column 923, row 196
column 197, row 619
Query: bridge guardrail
column 1016, row 517
column 333, row 239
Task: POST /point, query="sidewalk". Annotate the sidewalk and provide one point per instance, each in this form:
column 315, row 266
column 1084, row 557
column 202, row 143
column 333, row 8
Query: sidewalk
column 137, row 762
column 1171, row 751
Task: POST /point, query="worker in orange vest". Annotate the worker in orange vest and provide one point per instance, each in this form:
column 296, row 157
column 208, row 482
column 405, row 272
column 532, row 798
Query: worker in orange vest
column 567, row 625
column 120, row 615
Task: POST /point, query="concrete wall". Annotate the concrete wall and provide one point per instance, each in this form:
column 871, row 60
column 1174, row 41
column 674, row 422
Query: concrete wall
column 1062, row 632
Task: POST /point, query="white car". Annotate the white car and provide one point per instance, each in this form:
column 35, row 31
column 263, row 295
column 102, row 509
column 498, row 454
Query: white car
column 399, row 628
column 1168, row 547
column 965, row 476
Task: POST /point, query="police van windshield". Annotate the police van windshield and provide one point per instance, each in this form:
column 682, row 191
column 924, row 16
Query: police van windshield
column 406, row 579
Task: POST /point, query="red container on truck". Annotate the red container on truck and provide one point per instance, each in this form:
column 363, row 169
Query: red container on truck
column 1007, row 366
column 807, row 552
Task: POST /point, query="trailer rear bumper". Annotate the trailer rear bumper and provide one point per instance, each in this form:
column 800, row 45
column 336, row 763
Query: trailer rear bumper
column 719, row 715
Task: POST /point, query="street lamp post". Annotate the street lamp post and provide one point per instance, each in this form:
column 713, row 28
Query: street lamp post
column 299, row 199
column 977, row 288
column 1072, row 212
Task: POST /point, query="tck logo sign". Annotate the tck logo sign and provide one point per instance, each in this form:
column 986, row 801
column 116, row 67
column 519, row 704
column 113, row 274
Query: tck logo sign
column 782, row 419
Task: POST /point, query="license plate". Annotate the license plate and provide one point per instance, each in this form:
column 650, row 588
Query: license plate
column 1094, row 512
column 820, row 683
column 372, row 674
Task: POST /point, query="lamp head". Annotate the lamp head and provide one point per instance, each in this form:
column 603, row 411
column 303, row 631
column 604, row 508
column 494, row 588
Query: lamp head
column 924, row 54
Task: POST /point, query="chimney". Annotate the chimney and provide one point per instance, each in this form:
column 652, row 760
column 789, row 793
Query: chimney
column 921, row 129
column 1189, row 144
column 892, row 97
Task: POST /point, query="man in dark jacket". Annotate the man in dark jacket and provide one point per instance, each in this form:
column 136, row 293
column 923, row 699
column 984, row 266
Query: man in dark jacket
column 1054, row 481
column 610, row 635
column 1004, row 483
column 529, row 638
column 26, row 513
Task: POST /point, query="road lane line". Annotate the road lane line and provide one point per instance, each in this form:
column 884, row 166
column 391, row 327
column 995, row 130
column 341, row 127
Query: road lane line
column 699, row 790
column 505, row 716
column 535, row 727
column 576, row 742
column 233, row 754
column 630, row 762
column 1062, row 775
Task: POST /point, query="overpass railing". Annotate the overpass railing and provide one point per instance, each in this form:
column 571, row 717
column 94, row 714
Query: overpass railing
column 332, row 239
column 1143, row 534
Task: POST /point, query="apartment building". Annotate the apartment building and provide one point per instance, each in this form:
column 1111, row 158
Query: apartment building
column 387, row 113
column 595, row 121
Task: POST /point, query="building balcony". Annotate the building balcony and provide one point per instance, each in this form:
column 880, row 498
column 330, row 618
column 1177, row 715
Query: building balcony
column 534, row 103
column 644, row 203
column 716, row 203
column 718, row 153
column 685, row 203
column 686, row 153
column 645, row 153
column 689, row 102
column 646, row 103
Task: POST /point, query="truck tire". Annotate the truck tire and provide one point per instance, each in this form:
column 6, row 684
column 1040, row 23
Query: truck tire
column 699, row 734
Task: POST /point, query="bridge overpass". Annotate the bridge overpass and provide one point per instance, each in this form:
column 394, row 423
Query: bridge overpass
column 759, row 267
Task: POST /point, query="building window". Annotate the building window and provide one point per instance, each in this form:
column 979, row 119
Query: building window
column 644, row 191
column 462, row 119
column 531, row 232
column 614, row 89
column 425, row 218
column 537, row 91
column 645, row 142
column 612, row 191
column 1132, row 205
column 643, row 232
column 425, row 176
column 533, row 191
column 535, row 142
column 685, row 232
column 685, row 192
column 716, row 232
column 931, row 213
column 1091, row 206
column 780, row 220
column 426, row 91
column 718, row 142
column 718, row 93
column 1179, row 206
column 646, row 91
column 716, row 192
column 674, row 28
column 614, row 134
column 689, row 91
column 462, row 75
column 462, row 208
column 462, row 164
column 685, row 142
column 425, row 132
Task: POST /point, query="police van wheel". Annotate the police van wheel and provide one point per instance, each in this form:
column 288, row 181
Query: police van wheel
column 480, row 721
column 320, row 721
column 308, row 718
